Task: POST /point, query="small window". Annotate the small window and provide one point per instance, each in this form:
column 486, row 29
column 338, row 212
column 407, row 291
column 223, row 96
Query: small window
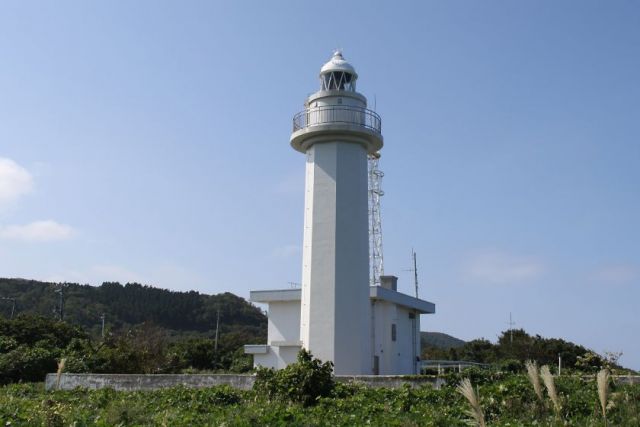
column 393, row 332
column 412, row 315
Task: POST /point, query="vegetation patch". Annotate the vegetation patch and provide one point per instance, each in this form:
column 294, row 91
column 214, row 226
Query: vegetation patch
column 508, row 400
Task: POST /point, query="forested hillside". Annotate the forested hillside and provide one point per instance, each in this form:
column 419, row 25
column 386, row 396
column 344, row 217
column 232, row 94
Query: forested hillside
column 516, row 346
column 132, row 304
column 147, row 330
column 439, row 340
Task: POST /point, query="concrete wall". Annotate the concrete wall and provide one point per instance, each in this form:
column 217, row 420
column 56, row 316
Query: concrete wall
column 276, row 357
column 147, row 382
column 284, row 321
column 395, row 357
column 127, row 382
column 130, row 382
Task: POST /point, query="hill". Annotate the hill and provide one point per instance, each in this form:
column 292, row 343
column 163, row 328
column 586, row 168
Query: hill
column 180, row 313
column 439, row 340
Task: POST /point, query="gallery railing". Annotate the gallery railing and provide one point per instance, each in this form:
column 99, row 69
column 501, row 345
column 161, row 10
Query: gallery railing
column 329, row 114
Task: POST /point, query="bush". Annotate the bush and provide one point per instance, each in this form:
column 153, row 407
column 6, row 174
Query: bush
column 304, row 382
column 511, row 365
column 26, row 363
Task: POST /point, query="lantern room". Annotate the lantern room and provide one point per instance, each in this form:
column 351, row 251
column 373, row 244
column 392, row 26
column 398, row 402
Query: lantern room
column 338, row 74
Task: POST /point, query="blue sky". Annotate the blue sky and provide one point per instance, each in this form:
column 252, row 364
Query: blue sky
column 149, row 141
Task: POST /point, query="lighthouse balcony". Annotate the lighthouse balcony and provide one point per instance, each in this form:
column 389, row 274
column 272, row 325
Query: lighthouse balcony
column 346, row 122
column 337, row 114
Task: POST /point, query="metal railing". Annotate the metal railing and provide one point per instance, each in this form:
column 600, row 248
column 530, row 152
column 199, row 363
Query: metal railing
column 328, row 114
column 441, row 365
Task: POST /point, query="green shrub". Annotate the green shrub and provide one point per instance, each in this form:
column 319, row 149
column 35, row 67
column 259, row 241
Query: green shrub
column 27, row 363
column 511, row 365
column 304, row 382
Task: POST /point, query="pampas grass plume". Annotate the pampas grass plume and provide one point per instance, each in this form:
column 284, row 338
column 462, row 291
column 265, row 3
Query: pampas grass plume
column 534, row 378
column 466, row 389
column 61, row 364
column 603, row 391
column 547, row 378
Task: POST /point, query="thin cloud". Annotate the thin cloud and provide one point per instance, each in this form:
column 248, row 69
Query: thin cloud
column 503, row 268
column 15, row 181
column 617, row 274
column 38, row 231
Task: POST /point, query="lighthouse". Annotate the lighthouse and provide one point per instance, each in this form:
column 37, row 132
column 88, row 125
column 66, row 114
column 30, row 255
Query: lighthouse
column 336, row 314
column 336, row 132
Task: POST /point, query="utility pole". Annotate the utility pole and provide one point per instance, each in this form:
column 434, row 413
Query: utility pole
column 511, row 323
column 215, row 346
column 559, row 364
column 13, row 304
column 415, row 270
column 60, row 290
column 102, row 318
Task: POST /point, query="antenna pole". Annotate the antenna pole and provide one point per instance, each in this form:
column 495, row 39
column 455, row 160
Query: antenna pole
column 102, row 317
column 415, row 270
column 376, row 261
column 511, row 323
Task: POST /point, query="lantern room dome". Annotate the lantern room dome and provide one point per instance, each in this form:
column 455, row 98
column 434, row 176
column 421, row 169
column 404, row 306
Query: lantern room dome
column 338, row 63
column 338, row 74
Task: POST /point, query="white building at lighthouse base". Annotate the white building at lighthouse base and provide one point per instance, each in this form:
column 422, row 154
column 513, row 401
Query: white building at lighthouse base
column 394, row 328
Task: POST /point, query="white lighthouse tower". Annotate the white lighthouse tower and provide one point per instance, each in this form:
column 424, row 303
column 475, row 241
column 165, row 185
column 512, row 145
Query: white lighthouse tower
column 337, row 315
column 336, row 132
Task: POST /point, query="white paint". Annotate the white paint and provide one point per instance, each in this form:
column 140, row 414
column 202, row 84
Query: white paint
column 283, row 329
column 284, row 322
column 335, row 268
column 397, row 357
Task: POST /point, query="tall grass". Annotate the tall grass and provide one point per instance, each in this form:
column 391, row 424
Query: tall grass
column 61, row 364
column 466, row 389
column 603, row 391
column 534, row 378
column 547, row 378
